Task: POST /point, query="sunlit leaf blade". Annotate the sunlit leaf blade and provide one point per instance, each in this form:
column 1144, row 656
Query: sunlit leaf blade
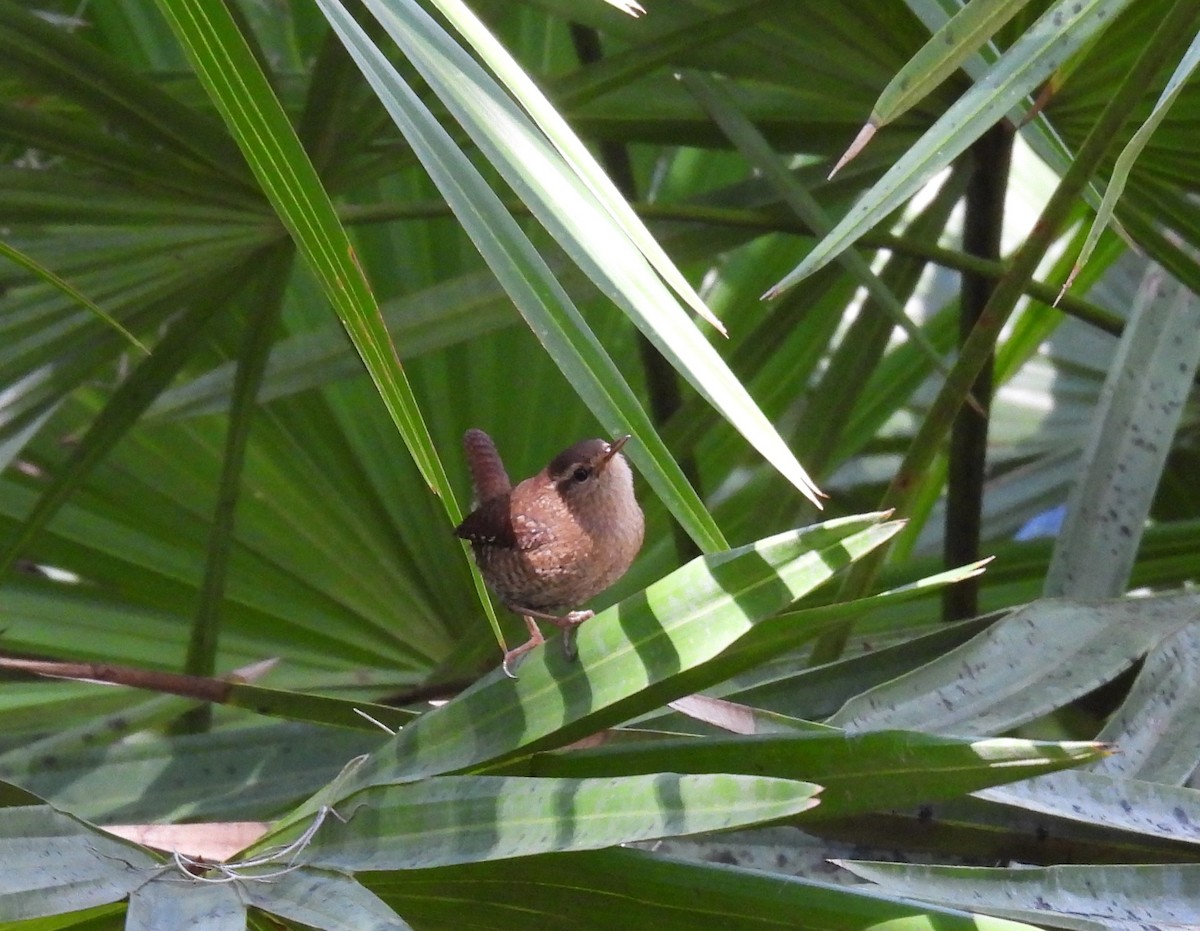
column 525, row 275
column 717, row 101
column 1061, row 31
column 465, row 819
column 790, row 630
column 580, row 209
column 867, row 772
column 241, row 92
column 632, row 7
column 1040, row 136
column 227, row 68
column 630, row 656
column 574, row 153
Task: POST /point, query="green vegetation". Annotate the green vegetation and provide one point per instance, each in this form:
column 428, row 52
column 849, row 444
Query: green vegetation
column 261, row 265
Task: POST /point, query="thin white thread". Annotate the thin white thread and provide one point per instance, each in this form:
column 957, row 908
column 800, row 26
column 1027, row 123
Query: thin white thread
column 188, row 867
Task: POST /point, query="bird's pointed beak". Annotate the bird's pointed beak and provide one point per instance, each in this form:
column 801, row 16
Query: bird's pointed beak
column 613, row 448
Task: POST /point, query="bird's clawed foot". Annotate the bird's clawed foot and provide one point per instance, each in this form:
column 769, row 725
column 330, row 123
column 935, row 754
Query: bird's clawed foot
column 535, row 638
column 567, row 623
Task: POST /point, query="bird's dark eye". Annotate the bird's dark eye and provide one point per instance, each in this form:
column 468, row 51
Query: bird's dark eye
column 582, row 474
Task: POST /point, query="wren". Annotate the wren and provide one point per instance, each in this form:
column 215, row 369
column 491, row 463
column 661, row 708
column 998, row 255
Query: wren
column 555, row 540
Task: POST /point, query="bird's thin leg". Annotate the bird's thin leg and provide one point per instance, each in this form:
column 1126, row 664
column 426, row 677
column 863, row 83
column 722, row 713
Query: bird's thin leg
column 561, row 621
column 535, row 638
column 568, row 623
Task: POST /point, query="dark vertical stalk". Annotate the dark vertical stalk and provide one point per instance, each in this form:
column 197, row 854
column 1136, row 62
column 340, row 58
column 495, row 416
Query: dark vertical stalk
column 662, row 381
column 1174, row 30
column 982, row 228
column 264, row 309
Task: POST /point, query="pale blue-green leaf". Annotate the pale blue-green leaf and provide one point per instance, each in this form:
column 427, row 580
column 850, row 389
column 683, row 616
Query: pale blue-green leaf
column 228, row 773
column 323, row 899
column 1033, row 661
column 1062, row 30
column 466, row 819
column 54, row 863
column 172, row 901
column 1112, row 802
column 1122, row 897
column 1141, row 403
column 1157, row 726
column 93, row 733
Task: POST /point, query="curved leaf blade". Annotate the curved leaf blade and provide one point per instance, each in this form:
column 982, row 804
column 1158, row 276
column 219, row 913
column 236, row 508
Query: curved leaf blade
column 467, row 819
column 858, row 773
column 631, row 656
column 227, row 69
column 953, row 43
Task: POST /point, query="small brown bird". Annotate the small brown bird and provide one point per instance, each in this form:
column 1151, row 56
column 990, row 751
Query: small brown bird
column 558, row 538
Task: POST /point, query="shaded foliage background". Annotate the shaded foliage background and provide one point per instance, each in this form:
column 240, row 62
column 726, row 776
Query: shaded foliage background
column 243, row 490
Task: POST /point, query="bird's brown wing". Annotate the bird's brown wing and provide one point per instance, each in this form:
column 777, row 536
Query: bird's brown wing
column 491, row 524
